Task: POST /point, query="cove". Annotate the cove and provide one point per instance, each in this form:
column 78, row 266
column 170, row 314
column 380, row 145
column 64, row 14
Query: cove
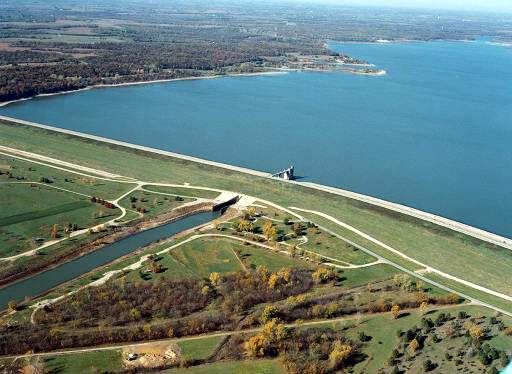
column 434, row 133
column 45, row 281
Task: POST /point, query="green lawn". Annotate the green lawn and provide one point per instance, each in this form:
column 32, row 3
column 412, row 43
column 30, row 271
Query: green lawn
column 363, row 276
column 234, row 367
column 257, row 256
column 183, row 191
column 32, row 210
column 199, row 349
column 153, row 204
column 442, row 248
column 32, row 172
column 88, row 362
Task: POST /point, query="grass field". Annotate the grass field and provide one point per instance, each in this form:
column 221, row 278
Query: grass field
column 31, row 172
column 29, row 211
column 234, row 367
column 153, row 204
column 199, row 349
column 255, row 256
column 383, row 330
column 88, row 362
column 183, row 191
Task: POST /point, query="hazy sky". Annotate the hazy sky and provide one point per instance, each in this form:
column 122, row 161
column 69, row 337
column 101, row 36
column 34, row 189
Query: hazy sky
column 483, row 5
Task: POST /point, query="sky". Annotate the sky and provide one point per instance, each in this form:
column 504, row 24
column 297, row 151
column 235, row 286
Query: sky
column 480, row 5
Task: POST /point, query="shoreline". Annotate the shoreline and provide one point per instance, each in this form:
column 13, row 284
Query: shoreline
column 379, row 72
column 472, row 231
column 125, row 84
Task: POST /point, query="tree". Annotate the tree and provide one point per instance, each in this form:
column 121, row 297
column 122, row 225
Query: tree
column 476, row 332
column 395, row 311
column 245, row 225
column 269, row 313
column 13, row 305
column 256, row 346
column 423, row 307
column 339, row 354
column 323, row 275
column 251, row 211
column 269, row 230
column 54, row 231
column 297, row 228
column 135, row 313
column 428, row 365
column 156, row 267
column 214, row 278
column 413, row 347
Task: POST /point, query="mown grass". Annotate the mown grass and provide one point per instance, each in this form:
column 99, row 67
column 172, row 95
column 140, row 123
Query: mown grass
column 30, row 213
column 255, row 256
column 183, row 191
column 31, row 172
column 199, row 349
column 153, row 204
column 84, row 362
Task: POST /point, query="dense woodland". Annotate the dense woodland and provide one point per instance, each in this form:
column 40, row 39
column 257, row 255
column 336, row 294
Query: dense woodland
column 47, row 47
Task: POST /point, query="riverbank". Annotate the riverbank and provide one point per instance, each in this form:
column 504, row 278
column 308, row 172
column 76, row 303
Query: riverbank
column 3, row 104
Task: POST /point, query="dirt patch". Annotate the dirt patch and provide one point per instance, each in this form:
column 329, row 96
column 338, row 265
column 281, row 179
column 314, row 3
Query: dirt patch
column 151, row 356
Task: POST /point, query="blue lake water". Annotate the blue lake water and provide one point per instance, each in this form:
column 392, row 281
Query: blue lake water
column 435, row 133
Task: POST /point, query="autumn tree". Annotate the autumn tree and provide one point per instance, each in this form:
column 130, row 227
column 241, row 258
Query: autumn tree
column 251, row 211
column 54, row 233
column 13, row 305
column 245, row 225
column 323, row 275
column 423, row 307
column 395, row 311
column 269, row 230
column 476, row 332
column 339, row 355
column 214, row 278
column 269, row 313
column 413, row 346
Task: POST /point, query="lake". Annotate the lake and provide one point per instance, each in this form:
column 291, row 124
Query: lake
column 435, row 133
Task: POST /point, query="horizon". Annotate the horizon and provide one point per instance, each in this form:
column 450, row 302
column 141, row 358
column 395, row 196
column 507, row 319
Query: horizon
column 491, row 6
